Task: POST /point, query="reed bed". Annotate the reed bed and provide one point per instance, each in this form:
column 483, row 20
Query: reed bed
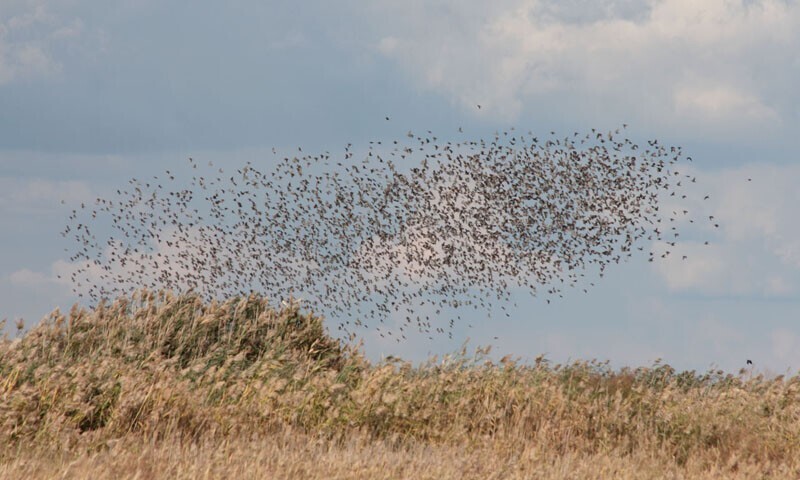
column 158, row 385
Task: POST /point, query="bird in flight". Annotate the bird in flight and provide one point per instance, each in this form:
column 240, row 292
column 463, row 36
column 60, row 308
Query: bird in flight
column 365, row 235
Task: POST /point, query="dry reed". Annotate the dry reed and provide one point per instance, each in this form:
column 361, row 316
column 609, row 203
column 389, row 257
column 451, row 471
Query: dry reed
column 157, row 383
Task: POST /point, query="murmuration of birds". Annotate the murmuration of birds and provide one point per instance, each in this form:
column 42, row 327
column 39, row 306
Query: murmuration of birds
column 409, row 232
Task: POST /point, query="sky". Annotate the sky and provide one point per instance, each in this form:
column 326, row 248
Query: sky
column 94, row 92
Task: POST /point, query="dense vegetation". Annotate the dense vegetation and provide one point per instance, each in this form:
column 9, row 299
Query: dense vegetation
column 158, row 385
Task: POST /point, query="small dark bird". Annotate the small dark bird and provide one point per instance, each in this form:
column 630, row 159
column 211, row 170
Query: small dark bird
column 749, row 362
column 454, row 226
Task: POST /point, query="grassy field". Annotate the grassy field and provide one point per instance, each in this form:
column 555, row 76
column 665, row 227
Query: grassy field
column 163, row 386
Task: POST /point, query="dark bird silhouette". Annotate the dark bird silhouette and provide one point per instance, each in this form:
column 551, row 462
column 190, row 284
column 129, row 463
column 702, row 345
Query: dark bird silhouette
column 393, row 229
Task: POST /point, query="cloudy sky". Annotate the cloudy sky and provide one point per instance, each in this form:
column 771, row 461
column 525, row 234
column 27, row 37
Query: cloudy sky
column 95, row 92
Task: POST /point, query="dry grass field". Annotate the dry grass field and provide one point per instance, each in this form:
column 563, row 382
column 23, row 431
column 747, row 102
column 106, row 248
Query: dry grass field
column 163, row 386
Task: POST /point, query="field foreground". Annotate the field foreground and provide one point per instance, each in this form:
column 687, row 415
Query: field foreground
column 163, row 386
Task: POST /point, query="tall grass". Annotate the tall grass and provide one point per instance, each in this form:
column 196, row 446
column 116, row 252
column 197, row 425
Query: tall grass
column 167, row 372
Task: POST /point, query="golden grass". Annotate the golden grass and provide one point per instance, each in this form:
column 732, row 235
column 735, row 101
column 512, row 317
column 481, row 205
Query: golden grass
column 297, row 455
column 163, row 386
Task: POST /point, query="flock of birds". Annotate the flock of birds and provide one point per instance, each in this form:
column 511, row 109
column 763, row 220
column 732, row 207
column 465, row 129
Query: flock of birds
column 407, row 232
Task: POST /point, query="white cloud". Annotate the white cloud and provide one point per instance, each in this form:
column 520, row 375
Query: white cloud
column 756, row 248
column 387, row 45
column 58, row 276
column 29, row 31
column 27, row 278
column 88, row 274
column 679, row 63
column 40, row 195
column 722, row 104
column 704, row 267
column 779, row 286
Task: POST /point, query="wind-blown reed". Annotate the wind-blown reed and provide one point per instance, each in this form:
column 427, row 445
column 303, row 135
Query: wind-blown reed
column 171, row 371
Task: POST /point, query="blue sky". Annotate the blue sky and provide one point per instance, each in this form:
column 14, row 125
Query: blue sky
column 93, row 93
